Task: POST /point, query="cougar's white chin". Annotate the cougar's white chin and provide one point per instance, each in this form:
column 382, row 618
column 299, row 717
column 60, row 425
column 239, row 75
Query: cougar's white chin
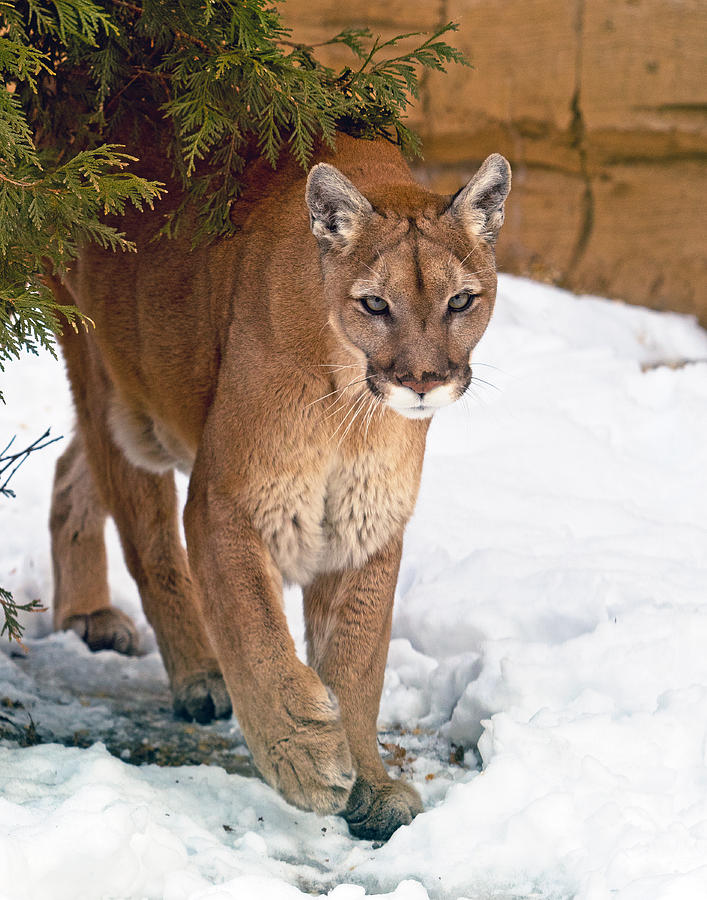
column 414, row 406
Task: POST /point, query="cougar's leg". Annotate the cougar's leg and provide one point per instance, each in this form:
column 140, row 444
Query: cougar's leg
column 290, row 720
column 144, row 508
column 77, row 524
column 348, row 617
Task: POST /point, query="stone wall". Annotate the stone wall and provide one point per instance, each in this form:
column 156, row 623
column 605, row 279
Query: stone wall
column 600, row 107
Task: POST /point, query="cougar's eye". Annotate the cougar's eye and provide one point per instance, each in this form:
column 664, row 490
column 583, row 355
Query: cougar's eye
column 376, row 306
column 461, row 301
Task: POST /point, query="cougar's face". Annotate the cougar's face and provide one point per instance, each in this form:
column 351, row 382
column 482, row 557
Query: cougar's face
column 411, row 281
column 415, row 311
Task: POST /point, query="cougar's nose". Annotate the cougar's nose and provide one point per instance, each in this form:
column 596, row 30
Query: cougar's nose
column 422, row 386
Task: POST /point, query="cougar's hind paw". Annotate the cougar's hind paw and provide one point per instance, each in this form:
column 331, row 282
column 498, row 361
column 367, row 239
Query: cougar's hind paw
column 202, row 697
column 105, row 629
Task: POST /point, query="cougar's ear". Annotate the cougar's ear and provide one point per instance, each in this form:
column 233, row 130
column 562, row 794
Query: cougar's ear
column 337, row 209
column 480, row 205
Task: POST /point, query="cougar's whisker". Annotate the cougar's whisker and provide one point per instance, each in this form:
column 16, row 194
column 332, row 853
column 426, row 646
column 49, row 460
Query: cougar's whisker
column 337, row 367
column 366, row 414
column 487, row 365
column 470, row 392
column 360, row 406
column 473, row 249
column 356, row 403
column 341, row 402
column 476, row 380
column 377, row 403
column 337, row 391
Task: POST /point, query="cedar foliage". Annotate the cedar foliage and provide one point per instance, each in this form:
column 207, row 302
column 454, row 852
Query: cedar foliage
column 214, row 78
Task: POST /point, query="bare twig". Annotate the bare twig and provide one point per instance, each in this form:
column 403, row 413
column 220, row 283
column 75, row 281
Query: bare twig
column 22, row 184
column 8, row 606
column 13, row 461
column 180, row 34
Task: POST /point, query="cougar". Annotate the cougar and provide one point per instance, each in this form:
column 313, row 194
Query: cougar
column 292, row 370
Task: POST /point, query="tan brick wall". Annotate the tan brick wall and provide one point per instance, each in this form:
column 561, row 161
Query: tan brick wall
column 600, row 107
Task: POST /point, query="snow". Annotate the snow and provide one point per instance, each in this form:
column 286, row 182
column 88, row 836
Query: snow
column 546, row 688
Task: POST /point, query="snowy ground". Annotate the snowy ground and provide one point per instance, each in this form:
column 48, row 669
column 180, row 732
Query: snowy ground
column 547, row 680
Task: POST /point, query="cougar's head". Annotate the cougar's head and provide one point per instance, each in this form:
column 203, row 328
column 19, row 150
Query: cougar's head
column 410, row 278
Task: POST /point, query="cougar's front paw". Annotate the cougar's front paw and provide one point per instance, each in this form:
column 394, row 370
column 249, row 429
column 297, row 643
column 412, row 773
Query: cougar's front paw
column 105, row 629
column 375, row 811
column 310, row 764
column 202, row 697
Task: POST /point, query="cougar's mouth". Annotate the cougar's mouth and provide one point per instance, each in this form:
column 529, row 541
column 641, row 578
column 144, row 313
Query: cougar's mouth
column 414, row 405
column 410, row 403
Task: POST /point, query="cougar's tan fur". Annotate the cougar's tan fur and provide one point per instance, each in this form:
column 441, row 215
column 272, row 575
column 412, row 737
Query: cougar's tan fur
column 257, row 365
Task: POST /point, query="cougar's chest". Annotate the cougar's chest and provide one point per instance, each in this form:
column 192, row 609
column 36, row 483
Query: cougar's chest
column 368, row 499
column 336, row 516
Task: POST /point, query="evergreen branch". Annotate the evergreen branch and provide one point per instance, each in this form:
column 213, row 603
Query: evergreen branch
column 46, row 214
column 10, row 611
